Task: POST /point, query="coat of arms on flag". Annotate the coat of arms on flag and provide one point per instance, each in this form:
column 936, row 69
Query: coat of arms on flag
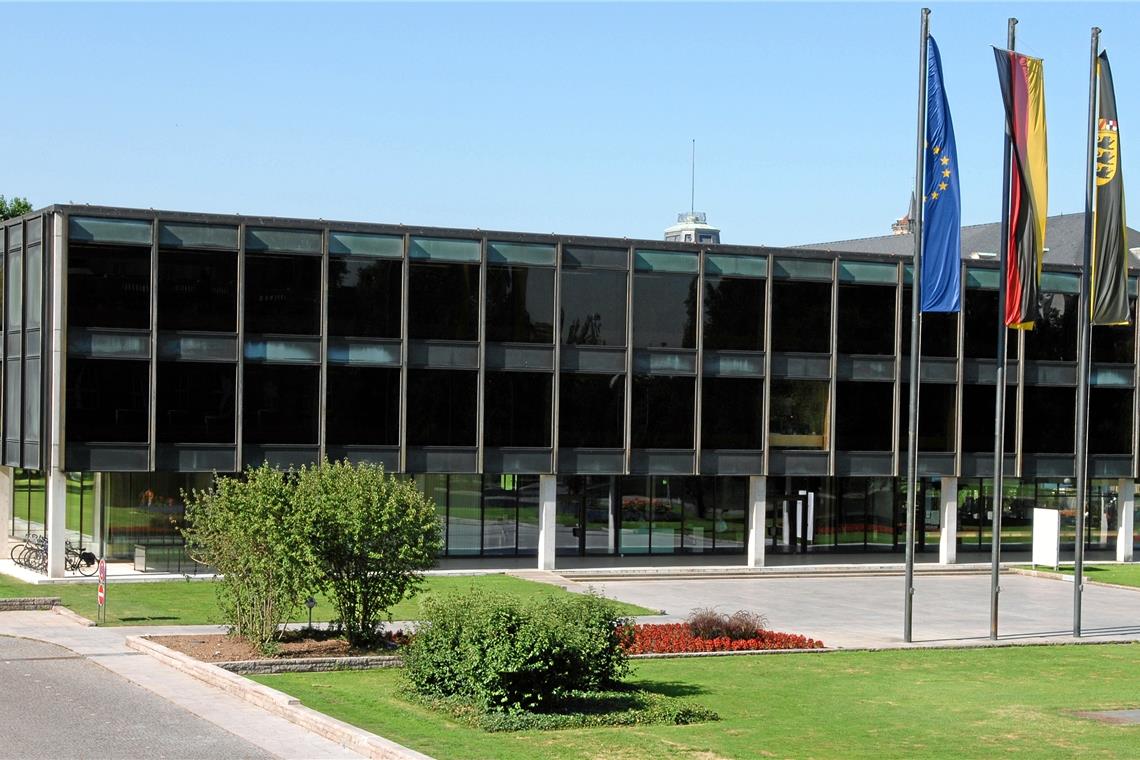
column 1106, row 151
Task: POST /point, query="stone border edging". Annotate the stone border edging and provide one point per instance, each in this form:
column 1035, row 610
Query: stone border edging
column 1057, row 576
column 29, row 603
column 73, row 616
column 309, row 664
column 278, row 703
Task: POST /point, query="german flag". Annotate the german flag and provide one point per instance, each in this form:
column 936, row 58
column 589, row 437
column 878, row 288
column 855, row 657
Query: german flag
column 1023, row 90
column 1110, row 246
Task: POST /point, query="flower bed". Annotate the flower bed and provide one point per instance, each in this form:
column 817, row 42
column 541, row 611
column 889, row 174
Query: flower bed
column 678, row 638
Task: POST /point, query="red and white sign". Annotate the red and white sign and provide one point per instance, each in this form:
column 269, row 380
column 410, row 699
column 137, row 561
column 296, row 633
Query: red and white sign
column 102, row 582
column 102, row 595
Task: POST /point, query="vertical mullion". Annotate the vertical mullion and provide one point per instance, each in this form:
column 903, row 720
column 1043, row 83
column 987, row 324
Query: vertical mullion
column 556, row 381
column 698, row 405
column 239, row 384
column 629, row 275
column 405, row 266
column 152, row 394
column 480, row 392
column 322, row 380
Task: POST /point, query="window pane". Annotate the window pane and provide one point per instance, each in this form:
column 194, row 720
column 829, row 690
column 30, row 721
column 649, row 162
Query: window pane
column 279, row 404
column 1048, row 420
column 464, row 499
column 863, row 416
column 636, row 513
column 939, row 331
column 32, row 411
column 593, row 307
column 517, row 409
column 520, row 304
column 15, row 290
column 935, row 417
column 799, row 416
column 662, row 412
column 108, row 286
column 801, row 316
column 107, row 400
column 591, row 411
column 978, row 418
column 34, row 287
column 1110, row 421
column 981, row 307
column 732, row 411
column 1054, row 337
column 195, row 402
column 282, row 294
column 364, row 298
column 197, row 290
column 500, row 514
column 441, row 407
column 1115, row 344
column 734, row 314
column 664, row 310
column 443, row 301
column 866, row 321
column 363, row 406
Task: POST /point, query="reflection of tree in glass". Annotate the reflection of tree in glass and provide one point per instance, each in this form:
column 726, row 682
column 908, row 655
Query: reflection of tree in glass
column 799, row 408
column 734, row 313
column 1054, row 333
column 586, row 332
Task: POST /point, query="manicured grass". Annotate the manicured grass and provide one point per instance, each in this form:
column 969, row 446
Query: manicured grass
column 192, row 603
column 1123, row 575
column 974, row 703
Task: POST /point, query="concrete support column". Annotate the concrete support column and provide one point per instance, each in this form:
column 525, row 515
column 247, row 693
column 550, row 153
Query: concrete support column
column 55, row 507
column 757, row 519
column 97, row 544
column 948, row 523
column 547, row 520
column 1125, row 510
column 5, row 510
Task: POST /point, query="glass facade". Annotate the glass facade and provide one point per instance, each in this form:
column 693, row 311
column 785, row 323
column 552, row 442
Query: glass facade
column 484, row 515
column 520, row 304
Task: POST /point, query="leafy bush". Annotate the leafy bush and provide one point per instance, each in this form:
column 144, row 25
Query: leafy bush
column 371, row 536
column 707, row 623
column 506, row 655
column 249, row 531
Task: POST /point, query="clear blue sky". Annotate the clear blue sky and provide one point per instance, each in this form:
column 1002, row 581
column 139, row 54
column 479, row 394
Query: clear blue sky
column 545, row 118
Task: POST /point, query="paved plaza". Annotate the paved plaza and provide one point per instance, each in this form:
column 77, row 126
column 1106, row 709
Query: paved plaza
column 867, row 611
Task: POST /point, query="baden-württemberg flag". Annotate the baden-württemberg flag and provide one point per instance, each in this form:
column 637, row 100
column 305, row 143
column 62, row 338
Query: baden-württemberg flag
column 1023, row 90
column 1110, row 247
column 942, row 201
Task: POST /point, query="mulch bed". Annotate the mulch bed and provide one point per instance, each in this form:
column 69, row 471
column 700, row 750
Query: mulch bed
column 220, row 647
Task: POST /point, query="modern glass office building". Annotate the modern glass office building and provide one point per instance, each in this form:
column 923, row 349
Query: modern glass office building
column 563, row 399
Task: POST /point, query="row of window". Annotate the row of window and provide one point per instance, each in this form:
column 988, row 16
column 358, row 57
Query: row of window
column 107, row 401
column 109, row 287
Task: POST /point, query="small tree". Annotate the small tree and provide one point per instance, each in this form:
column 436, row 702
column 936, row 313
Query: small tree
column 10, row 209
column 371, row 536
column 247, row 528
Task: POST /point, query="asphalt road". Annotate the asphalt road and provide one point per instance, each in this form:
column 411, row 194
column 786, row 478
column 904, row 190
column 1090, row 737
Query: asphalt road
column 55, row 704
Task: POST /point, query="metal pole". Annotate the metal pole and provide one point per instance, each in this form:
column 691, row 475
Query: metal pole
column 1084, row 348
column 915, row 329
column 1002, row 335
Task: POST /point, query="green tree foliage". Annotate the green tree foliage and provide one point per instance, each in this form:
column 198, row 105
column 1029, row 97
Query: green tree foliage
column 248, row 529
column 371, row 536
column 12, row 208
column 505, row 655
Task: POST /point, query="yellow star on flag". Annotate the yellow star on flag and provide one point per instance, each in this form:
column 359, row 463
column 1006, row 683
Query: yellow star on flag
column 941, row 185
column 934, row 195
column 945, row 160
column 937, row 149
column 945, row 172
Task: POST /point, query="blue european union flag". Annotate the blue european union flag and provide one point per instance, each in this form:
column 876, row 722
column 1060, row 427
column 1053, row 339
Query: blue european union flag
column 942, row 203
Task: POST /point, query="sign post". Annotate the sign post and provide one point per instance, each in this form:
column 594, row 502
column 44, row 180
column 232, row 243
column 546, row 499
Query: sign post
column 102, row 616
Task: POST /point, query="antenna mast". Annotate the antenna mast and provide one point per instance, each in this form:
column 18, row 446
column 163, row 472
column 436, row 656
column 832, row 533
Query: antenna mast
column 693, row 178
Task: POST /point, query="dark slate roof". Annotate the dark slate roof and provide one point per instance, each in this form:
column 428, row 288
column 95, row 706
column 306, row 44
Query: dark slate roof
column 1064, row 242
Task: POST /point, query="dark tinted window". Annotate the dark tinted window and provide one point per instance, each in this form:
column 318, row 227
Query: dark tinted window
column 1048, row 420
column 734, row 314
column 443, row 301
column 441, row 407
column 1054, row 336
column 799, row 414
column 801, row 316
column 197, row 290
column 107, row 400
column 1110, row 420
column 362, row 406
column 981, row 307
column 364, row 298
column 195, row 402
column 866, row 320
column 936, row 416
column 517, row 409
column 662, row 415
column 732, row 413
column 939, row 331
column 108, row 286
column 1115, row 344
column 520, row 304
column 591, row 411
column 863, row 416
column 593, row 307
column 282, row 294
column 664, row 310
column 978, row 404
column 279, row 404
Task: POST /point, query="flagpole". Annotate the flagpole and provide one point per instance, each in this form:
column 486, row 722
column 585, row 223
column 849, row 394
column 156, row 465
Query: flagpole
column 1084, row 347
column 1002, row 335
column 915, row 328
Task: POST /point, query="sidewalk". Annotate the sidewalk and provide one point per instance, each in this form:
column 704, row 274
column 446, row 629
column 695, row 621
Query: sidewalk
column 106, row 647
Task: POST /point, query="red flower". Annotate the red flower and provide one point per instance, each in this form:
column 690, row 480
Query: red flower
column 677, row 638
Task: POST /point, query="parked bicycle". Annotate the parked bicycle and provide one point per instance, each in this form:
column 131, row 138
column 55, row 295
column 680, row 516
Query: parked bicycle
column 78, row 558
column 31, row 553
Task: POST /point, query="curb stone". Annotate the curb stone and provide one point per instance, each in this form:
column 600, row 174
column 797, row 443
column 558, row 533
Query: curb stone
column 309, row 664
column 358, row 740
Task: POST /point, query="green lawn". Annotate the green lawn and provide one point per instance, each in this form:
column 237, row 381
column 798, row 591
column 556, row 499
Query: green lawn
column 979, row 703
column 1123, row 575
column 190, row 603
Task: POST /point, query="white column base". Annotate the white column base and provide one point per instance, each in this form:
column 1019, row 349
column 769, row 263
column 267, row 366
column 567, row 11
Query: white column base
column 1047, row 537
column 55, row 487
column 1125, row 511
column 757, row 519
column 948, row 522
column 5, row 510
column 547, row 521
